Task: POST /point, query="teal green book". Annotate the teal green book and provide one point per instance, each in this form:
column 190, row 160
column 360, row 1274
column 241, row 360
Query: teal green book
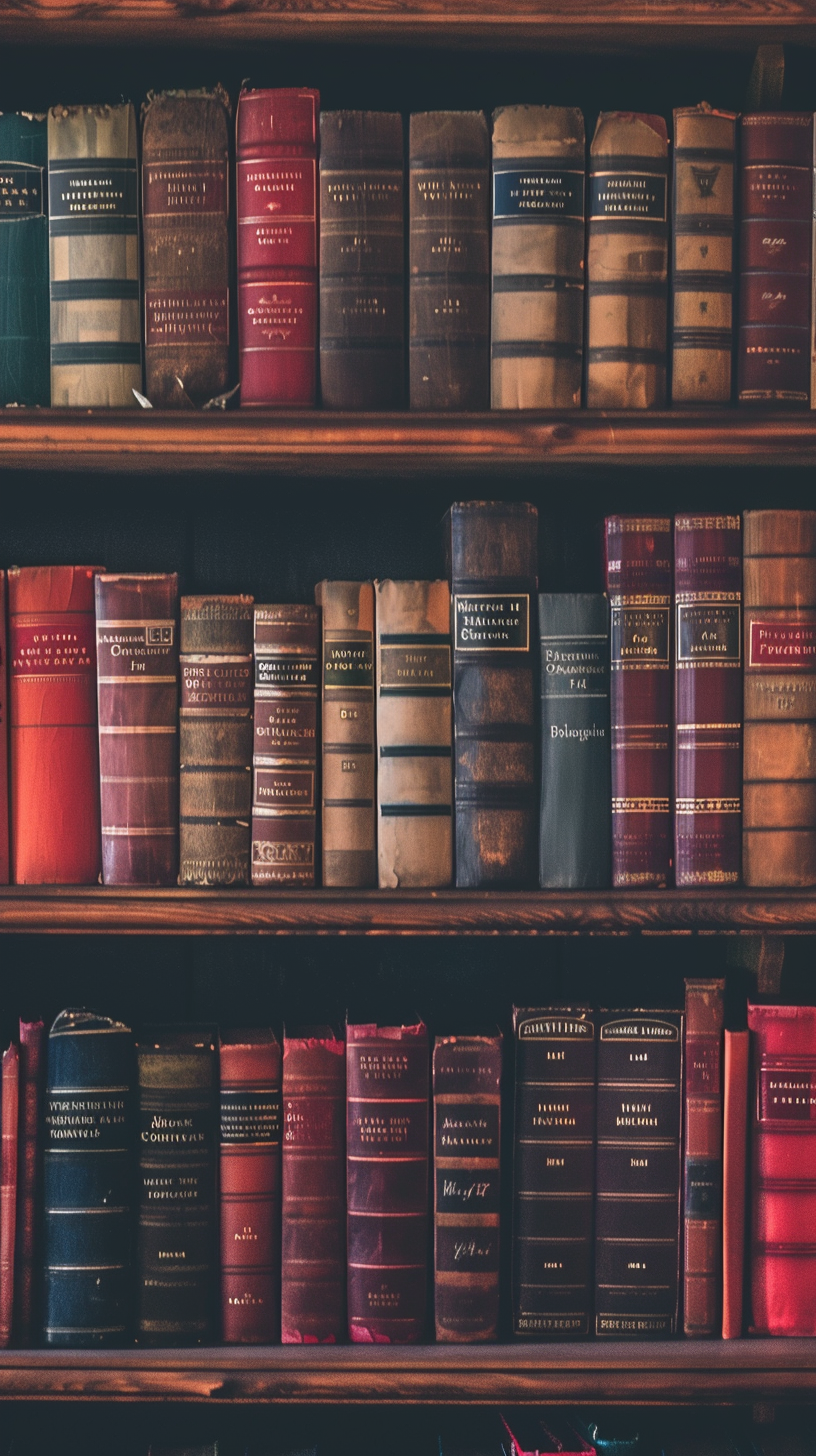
column 24, row 312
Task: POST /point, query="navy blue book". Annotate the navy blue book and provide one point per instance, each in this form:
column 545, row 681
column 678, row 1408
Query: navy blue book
column 25, row 327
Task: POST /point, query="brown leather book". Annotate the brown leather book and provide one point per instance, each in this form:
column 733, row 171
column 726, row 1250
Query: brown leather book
column 284, row 758
column 703, row 1153
column 735, row 1143
column 348, row 820
column 250, row 1177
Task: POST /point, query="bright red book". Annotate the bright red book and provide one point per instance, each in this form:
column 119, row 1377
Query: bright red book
column 276, row 173
column 5, row 840
column 735, row 1143
column 8, row 1188
column 32, row 1079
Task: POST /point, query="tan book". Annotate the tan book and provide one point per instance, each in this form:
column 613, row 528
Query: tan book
column 348, row 817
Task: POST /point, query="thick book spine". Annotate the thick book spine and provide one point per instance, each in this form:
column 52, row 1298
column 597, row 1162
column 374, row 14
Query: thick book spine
column 639, row 583
column 575, row 836
column 54, row 731
column 467, row 1074
column 362, row 290
column 493, row 565
column 735, row 1149
column 553, row 1172
column 537, row 346
column 348, row 811
column 89, row 1142
column 93, row 229
column 284, row 755
column 29, row 1182
column 276, row 186
column 8, row 1188
column 24, row 322
column 250, row 1167
column 703, row 255
column 387, row 1077
column 703, row 1156
column 414, row 729
column 449, row 232
column 138, row 689
column 185, row 221
column 627, row 262
column 313, row 1278
column 215, row 740
column 707, row 700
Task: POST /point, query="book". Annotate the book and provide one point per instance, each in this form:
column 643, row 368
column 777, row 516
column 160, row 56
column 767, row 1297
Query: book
column 185, row 229
column 5, row 825
column 467, row 1074
column 414, row 733
column 627, row 262
column 575, row 833
column 639, row 583
column 492, row 549
column 362, row 290
column 735, row 1145
column 537, row 346
column 387, row 1075
column 25, row 335
column 138, row 667
column 27, row 1255
column 54, row 731
column 547, row 1433
column 703, row 1123
column 703, row 229
column 8, row 1187
column 348, row 821
column 707, row 700
column 276, row 187
column 313, row 1280
column 93, row 230
column 215, row 740
column 284, row 756
column 449, row 260
column 250, row 1184
column 90, row 1135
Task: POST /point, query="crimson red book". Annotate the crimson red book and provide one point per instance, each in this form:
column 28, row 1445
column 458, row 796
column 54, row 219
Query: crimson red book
column 8, row 1188
column 29, row 1174
column 735, row 1144
column 5, row 844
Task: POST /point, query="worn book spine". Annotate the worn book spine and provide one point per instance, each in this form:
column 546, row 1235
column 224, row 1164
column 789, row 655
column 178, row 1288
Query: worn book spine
column 29, row 1183
column 25, row 335
column 627, row 262
column 575, row 836
column 449, row 260
column 185, row 222
column 215, row 740
column 362, row 290
column 349, row 822
column 93, row 229
column 779, row 752
column 8, row 1188
column 702, row 1236
column 138, row 690
column 493, row 565
column 284, row 757
column 276, row 186
column 250, row 1184
column 735, row 1149
column 537, row 347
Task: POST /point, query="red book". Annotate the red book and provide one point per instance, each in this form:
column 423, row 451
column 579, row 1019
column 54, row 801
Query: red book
column 8, row 1189
column 4, row 757
column 702, row 1228
column 32, row 1078
column 277, row 246
column 735, row 1140
column 54, row 745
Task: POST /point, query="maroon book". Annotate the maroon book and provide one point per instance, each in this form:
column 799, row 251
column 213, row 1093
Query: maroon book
column 32, row 1075
column 8, row 1188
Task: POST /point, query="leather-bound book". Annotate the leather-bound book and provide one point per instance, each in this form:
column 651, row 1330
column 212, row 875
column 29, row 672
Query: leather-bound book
column 276, row 188
column 638, row 1179
column 93, row 228
column 735, row 1150
column 89, row 1142
column 575, row 837
column 627, row 262
column 537, row 342
column 284, row 755
column 639, row 583
column 8, row 1188
column 493, row 564
column 54, row 735
column 25, row 334
column 362, row 290
column 5, row 824
column 414, row 731
column 313, row 1275
column 776, row 193
column 250, row 1166
column 708, row 700
column 449, row 231
column 467, row 1073
column 348, row 818
column 779, row 750
column 185, row 213
column 138, row 669
column 703, row 255
column 553, row 1172
column 702, row 1237
column 177, row 1283
column 387, row 1077
column 29, row 1183
column 215, row 740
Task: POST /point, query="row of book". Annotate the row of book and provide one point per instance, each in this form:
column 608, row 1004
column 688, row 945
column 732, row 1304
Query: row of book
column 566, row 299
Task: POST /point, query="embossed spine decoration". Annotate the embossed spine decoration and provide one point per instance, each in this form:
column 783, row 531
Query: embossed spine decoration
column 702, row 1236
column 25, row 333
column 349, row 820
column 250, row 1163
column 284, row 772
column 27, row 1282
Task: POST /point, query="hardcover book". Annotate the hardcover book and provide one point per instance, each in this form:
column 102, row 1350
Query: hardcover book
column 349, row 822
column 284, row 758
column 5, row 837
column 29, row 1182
column 250, row 1182
column 8, row 1187
column 25, row 334
column 703, row 1156
column 735, row 1145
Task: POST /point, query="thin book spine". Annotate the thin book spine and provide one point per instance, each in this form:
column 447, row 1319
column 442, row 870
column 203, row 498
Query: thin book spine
column 29, row 1181
column 24, row 314
column 735, row 1147
column 8, row 1188
column 703, row 1156
column 348, row 821
column 285, row 745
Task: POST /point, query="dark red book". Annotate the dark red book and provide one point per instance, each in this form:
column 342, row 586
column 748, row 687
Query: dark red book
column 29, row 1170
column 702, row 1211
column 8, row 1188
column 5, row 838
column 277, row 245
column 735, row 1145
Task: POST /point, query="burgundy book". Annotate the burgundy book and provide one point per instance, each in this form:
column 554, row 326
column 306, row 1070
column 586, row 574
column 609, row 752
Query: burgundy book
column 277, row 245
column 8, row 1188
column 29, row 1172
column 735, row 1142
column 313, row 1273
column 702, row 1229
column 387, row 1106
column 4, row 757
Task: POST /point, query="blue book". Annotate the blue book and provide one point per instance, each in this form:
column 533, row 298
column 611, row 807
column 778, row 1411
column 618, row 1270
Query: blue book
column 24, row 308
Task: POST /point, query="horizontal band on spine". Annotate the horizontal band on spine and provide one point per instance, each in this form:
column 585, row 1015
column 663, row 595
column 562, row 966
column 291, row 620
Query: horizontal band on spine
column 424, row 750
column 361, row 346
column 96, row 353
column 541, row 219
column 416, row 811
column 531, row 349
column 627, row 356
column 628, row 288
column 414, row 639
column 689, row 225
column 348, row 803
column 415, row 692
column 535, row 283
column 96, row 227
column 81, row 289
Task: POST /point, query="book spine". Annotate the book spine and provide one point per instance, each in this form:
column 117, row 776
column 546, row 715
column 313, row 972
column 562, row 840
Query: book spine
column 276, row 172
column 5, row 817
column 703, row 1156
column 8, row 1189
column 284, row 761
column 24, row 332
column 29, row 1180
column 250, row 1166
column 735, row 1146
column 348, row 819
